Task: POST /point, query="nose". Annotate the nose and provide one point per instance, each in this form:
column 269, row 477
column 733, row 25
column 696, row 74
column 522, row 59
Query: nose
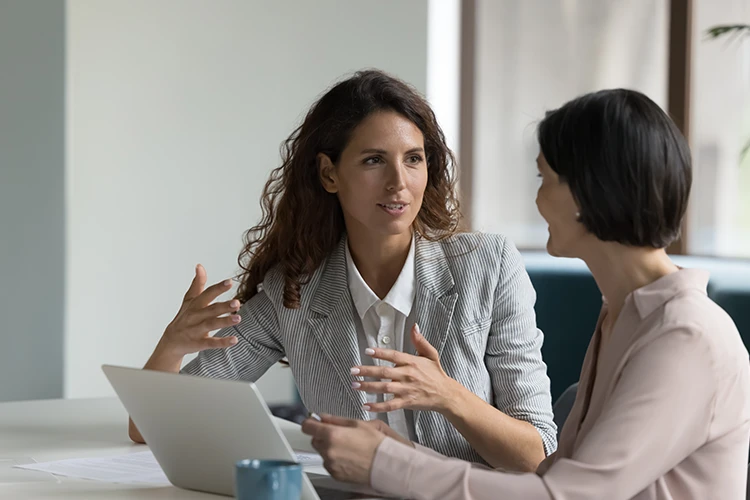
column 395, row 180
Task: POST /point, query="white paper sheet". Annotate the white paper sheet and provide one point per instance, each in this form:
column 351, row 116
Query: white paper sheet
column 293, row 434
column 10, row 473
column 131, row 468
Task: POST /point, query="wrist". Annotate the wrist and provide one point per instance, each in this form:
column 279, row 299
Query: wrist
column 454, row 401
column 165, row 358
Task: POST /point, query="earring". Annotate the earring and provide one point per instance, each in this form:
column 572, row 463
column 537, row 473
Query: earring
column 578, row 216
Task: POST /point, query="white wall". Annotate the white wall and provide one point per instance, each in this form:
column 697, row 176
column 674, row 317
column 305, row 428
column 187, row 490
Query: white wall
column 720, row 126
column 533, row 56
column 32, row 170
column 176, row 109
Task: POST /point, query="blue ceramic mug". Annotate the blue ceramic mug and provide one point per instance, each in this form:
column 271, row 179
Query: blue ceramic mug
column 268, row 480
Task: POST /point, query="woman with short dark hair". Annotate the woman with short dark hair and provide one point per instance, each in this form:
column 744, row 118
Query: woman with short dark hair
column 663, row 407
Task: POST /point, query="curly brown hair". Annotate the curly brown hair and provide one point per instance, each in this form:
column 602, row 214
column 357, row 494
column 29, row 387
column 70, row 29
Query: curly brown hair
column 302, row 223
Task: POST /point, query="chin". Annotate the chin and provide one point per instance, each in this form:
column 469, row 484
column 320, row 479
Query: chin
column 554, row 249
column 551, row 248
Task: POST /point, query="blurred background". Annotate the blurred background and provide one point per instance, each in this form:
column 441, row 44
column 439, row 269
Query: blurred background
column 136, row 137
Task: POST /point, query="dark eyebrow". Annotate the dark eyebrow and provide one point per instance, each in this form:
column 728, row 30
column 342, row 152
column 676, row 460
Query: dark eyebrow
column 384, row 152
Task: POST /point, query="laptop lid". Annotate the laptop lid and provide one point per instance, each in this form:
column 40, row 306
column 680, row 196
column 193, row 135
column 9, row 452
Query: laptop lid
column 198, row 428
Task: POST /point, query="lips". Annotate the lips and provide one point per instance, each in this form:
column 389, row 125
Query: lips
column 393, row 206
column 395, row 209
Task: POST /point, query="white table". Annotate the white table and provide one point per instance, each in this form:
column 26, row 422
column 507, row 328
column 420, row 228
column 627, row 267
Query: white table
column 74, row 428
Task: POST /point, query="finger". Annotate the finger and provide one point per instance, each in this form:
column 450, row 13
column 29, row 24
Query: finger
column 385, row 406
column 378, row 425
column 424, row 348
column 215, row 310
column 311, row 426
column 379, row 372
column 209, row 294
column 394, row 388
column 196, row 286
column 217, row 343
column 212, row 324
column 396, row 357
column 340, row 421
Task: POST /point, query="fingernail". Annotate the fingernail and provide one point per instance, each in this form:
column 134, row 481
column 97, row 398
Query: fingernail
column 356, row 385
column 227, row 282
column 354, row 371
column 234, row 304
column 315, row 416
column 233, row 340
column 366, row 407
column 369, row 351
column 416, row 327
column 236, row 319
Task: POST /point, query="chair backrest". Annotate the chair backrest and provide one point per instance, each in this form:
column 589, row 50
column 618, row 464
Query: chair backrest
column 563, row 405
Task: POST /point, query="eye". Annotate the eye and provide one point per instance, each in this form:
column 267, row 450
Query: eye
column 539, row 174
column 415, row 159
column 373, row 160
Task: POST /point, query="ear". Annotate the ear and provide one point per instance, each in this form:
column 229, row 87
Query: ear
column 327, row 173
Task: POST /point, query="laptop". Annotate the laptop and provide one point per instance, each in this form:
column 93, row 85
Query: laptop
column 198, row 428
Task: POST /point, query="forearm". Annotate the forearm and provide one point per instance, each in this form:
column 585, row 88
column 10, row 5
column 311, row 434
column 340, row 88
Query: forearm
column 503, row 441
column 163, row 360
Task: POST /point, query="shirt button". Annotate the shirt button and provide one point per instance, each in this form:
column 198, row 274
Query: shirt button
column 386, row 340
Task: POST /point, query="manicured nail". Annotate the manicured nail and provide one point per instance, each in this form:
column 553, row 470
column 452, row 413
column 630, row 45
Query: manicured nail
column 356, row 385
column 366, row 407
column 416, row 327
column 236, row 319
column 369, row 351
column 234, row 304
column 354, row 371
column 233, row 340
column 226, row 282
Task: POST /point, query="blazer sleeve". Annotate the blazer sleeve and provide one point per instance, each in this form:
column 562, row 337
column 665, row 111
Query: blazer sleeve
column 514, row 350
column 258, row 348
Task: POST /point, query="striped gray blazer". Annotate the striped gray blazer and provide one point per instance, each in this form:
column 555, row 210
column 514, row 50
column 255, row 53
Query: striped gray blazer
column 474, row 302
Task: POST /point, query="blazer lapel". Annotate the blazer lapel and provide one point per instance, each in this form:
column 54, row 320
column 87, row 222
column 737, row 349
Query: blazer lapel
column 332, row 324
column 435, row 299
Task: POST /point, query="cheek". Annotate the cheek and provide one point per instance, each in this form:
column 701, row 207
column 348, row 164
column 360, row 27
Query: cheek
column 542, row 203
column 418, row 184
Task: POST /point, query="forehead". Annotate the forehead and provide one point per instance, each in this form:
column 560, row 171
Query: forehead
column 387, row 127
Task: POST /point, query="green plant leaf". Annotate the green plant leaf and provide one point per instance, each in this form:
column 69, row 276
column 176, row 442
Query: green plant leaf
column 732, row 29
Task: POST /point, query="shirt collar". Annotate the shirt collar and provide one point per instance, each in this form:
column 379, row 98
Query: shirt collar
column 401, row 295
column 649, row 298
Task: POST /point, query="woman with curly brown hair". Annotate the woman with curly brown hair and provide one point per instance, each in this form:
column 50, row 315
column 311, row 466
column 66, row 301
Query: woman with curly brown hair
column 358, row 250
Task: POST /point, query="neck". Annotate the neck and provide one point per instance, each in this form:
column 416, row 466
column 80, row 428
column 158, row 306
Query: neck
column 379, row 259
column 619, row 270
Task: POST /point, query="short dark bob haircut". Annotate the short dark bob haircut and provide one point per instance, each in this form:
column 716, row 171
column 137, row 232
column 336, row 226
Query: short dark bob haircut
column 626, row 163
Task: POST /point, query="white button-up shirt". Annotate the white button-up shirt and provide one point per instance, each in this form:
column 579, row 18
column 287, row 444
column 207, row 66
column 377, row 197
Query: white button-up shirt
column 385, row 324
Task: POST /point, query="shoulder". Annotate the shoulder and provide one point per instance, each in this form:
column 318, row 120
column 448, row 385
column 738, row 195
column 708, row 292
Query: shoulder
column 703, row 323
column 692, row 326
column 275, row 280
column 485, row 253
